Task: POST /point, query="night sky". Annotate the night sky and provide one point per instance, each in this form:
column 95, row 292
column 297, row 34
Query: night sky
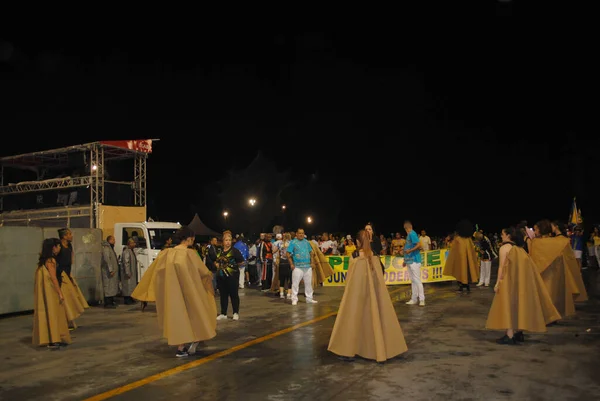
column 484, row 117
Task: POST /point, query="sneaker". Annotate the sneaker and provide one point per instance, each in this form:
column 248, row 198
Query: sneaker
column 53, row 346
column 311, row 301
column 412, row 302
column 288, row 296
column 294, row 303
column 479, row 284
column 281, row 295
column 422, row 303
column 506, row 340
column 519, row 336
column 181, row 354
column 192, row 349
column 236, row 316
column 222, row 317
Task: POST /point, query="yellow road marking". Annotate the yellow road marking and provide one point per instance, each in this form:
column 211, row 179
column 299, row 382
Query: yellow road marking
column 182, row 368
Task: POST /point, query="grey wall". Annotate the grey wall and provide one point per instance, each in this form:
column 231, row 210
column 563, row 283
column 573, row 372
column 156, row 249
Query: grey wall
column 19, row 250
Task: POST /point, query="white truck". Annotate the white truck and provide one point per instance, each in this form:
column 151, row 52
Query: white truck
column 150, row 237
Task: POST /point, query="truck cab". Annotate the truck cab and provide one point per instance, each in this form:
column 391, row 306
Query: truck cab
column 150, row 238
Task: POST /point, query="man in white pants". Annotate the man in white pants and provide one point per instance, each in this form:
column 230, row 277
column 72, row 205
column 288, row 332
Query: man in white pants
column 412, row 259
column 299, row 254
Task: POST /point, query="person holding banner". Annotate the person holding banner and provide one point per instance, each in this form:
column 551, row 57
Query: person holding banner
column 366, row 323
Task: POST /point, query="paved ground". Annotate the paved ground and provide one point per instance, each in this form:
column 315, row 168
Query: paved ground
column 279, row 352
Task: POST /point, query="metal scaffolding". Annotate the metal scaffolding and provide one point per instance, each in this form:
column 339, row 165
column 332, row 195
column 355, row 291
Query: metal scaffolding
column 47, row 185
column 140, row 180
column 96, row 153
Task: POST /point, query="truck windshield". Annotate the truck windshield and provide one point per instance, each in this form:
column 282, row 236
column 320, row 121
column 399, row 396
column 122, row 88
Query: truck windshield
column 160, row 236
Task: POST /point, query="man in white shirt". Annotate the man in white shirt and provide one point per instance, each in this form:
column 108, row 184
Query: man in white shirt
column 425, row 241
column 326, row 245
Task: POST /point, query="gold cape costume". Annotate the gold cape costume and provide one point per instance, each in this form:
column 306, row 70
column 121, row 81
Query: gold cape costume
column 522, row 301
column 181, row 285
column 74, row 302
column 366, row 324
column 462, row 261
column 49, row 317
column 320, row 266
column 559, row 269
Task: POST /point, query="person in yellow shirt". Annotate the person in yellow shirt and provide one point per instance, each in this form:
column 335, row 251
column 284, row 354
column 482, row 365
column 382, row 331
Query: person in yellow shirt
column 398, row 245
column 349, row 248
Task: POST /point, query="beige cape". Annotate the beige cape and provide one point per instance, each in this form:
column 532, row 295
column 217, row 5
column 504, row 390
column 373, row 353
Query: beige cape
column 181, row 285
column 49, row 317
column 366, row 324
column 320, row 266
column 522, row 301
column 462, row 260
column 74, row 303
column 559, row 269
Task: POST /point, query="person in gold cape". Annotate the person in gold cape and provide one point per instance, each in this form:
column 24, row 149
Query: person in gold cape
column 366, row 323
column 75, row 303
column 181, row 285
column 560, row 271
column 50, row 326
column 462, row 258
column 522, row 301
column 320, row 265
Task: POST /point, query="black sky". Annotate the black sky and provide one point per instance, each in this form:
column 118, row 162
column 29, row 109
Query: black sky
column 485, row 117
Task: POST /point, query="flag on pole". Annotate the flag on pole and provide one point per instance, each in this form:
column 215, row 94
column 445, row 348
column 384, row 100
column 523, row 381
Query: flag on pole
column 575, row 217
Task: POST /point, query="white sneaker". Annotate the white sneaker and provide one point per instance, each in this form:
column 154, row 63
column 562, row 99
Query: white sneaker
column 411, row 302
column 222, row 317
column 422, row 303
column 236, row 316
column 294, row 302
column 192, row 349
column 311, row 301
column 281, row 295
column 479, row 284
column 288, row 296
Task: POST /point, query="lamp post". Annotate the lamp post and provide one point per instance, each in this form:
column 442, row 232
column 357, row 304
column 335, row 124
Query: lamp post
column 252, row 201
column 309, row 220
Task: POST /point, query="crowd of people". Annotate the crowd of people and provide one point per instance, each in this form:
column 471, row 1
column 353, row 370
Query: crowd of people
column 539, row 281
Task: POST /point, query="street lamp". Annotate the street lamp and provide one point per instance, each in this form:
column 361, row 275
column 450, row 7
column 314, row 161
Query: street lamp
column 282, row 207
column 309, row 220
column 225, row 214
column 252, row 201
